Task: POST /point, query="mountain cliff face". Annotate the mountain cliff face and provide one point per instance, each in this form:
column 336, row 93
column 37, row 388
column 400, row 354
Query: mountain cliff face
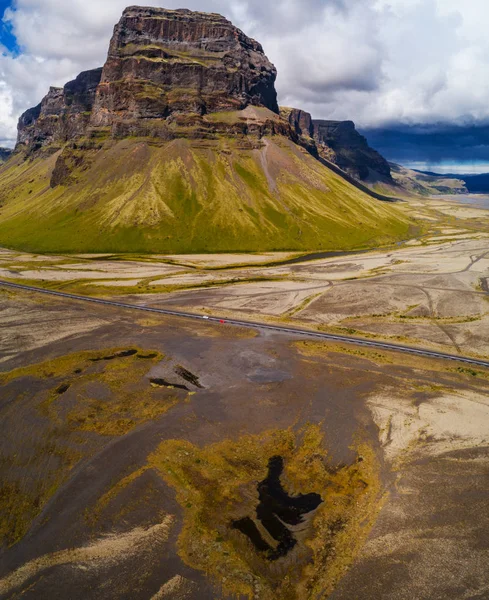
column 166, row 71
column 301, row 123
column 163, row 62
column 62, row 115
column 177, row 145
column 340, row 143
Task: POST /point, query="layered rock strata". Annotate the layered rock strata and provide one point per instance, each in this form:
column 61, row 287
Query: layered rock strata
column 165, row 70
column 163, row 62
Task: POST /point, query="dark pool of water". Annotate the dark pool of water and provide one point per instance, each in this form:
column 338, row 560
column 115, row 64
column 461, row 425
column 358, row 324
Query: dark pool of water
column 63, row 388
column 148, row 356
column 276, row 510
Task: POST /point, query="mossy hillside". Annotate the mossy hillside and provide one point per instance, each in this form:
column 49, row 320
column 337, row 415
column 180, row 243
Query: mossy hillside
column 188, row 196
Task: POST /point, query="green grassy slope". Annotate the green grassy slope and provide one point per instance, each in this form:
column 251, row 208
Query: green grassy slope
column 190, row 196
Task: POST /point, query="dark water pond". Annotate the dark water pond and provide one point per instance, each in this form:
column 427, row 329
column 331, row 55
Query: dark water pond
column 275, row 511
column 123, row 354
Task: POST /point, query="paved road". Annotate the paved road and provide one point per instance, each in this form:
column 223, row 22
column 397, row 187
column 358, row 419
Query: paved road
column 261, row 326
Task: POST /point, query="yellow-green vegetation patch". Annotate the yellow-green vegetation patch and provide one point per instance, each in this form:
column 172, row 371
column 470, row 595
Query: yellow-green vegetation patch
column 472, row 372
column 270, row 516
column 308, row 348
column 62, row 411
column 69, row 364
column 312, row 348
column 186, row 196
column 122, row 405
column 93, row 514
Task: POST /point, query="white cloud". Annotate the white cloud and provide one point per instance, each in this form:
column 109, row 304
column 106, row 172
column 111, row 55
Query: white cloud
column 373, row 61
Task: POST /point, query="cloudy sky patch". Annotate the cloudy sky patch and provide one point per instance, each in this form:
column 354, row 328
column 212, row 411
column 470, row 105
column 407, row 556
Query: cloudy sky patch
column 377, row 62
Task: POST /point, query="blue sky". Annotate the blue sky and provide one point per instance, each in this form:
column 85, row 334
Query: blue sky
column 7, row 39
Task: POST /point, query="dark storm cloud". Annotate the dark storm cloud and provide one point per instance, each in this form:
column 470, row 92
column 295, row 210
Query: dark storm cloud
column 433, row 144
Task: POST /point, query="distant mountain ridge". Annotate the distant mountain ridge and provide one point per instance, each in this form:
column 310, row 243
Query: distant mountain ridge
column 5, row 154
column 427, row 184
column 474, row 183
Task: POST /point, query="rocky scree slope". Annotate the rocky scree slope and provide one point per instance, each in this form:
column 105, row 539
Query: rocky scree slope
column 177, row 145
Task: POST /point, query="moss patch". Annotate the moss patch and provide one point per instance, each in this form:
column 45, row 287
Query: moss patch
column 73, row 406
column 217, row 485
column 307, row 348
column 191, row 196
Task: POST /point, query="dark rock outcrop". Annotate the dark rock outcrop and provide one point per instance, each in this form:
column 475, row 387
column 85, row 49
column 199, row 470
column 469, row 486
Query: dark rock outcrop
column 5, row 154
column 163, row 62
column 301, row 124
column 63, row 114
column 340, row 143
column 300, row 121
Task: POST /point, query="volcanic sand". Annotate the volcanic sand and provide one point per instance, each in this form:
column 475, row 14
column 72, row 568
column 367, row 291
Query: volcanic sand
column 420, row 425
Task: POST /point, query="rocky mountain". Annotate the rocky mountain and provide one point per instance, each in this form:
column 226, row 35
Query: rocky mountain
column 340, row 143
column 300, row 120
column 164, row 68
column 5, row 154
column 302, row 125
column 177, row 145
column 62, row 115
column 164, row 62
